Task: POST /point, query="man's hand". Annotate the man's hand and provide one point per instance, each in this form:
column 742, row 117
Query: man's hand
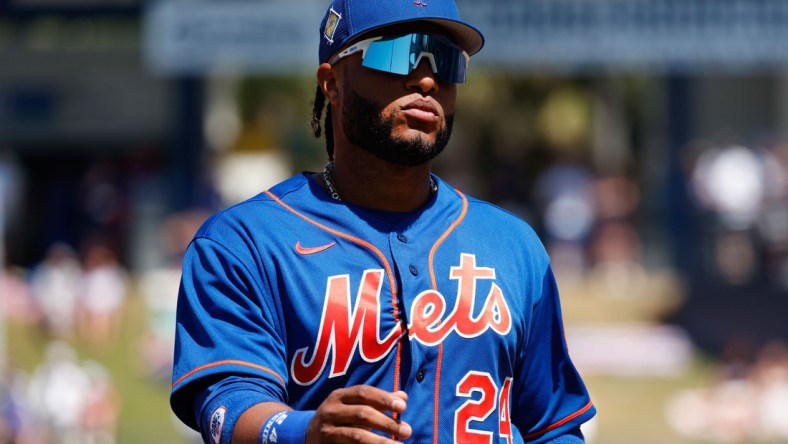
column 350, row 414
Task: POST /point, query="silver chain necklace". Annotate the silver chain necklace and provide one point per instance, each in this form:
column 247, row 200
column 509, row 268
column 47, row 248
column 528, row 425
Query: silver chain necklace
column 327, row 180
column 332, row 190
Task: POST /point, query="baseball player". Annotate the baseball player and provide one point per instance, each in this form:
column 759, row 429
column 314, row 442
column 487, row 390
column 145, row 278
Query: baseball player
column 372, row 302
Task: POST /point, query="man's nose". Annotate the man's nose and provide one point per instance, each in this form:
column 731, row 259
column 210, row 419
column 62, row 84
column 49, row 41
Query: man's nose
column 422, row 78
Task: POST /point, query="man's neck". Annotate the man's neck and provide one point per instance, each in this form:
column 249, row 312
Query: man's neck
column 362, row 179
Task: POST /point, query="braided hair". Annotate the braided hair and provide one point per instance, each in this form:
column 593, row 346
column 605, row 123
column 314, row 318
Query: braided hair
column 317, row 111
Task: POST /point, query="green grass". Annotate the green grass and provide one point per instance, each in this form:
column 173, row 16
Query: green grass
column 632, row 410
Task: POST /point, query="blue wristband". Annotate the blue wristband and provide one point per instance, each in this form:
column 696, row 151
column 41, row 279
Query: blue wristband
column 221, row 408
column 287, row 427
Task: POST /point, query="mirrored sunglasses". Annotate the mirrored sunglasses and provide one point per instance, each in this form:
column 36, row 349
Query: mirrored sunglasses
column 402, row 54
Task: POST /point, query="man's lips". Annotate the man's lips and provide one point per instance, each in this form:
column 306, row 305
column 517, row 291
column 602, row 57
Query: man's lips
column 421, row 110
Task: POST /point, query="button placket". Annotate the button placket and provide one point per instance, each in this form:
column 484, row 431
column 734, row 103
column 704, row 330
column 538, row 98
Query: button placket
column 409, row 258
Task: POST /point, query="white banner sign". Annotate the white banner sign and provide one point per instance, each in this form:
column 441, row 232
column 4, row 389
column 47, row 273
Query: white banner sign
column 196, row 37
column 201, row 36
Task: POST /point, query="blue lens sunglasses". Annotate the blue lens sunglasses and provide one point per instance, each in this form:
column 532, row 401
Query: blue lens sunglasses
column 402, row 54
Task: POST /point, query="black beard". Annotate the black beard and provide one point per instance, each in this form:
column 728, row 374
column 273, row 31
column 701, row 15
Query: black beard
column 365, row 127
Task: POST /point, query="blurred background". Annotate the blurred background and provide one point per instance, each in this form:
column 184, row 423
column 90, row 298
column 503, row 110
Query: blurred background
column 645, row 140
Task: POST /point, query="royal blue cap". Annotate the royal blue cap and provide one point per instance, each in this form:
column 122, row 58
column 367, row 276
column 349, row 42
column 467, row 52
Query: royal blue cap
column 347, row 19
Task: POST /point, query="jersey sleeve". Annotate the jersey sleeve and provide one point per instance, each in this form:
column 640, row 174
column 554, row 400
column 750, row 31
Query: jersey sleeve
column 227, row 325
column 549, row 398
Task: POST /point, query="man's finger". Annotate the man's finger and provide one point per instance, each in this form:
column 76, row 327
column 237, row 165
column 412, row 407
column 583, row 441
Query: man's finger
column 367, row 417
column 354, row 435
column 374, row 397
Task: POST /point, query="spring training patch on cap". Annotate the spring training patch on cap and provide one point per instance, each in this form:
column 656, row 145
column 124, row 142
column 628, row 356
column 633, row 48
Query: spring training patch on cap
column 331, row 25
column 217, row 423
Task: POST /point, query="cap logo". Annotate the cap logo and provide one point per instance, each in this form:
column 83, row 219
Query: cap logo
column 331, row 25
column 421, row 3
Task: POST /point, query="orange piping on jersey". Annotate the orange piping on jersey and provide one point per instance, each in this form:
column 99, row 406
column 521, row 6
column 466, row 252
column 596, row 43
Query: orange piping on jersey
column 362, row 242
column 560, row 423
column 435, row 412
column 397, row 365
column 228, row 362
column 437, row 390
column 372, row 248
column 443, row 238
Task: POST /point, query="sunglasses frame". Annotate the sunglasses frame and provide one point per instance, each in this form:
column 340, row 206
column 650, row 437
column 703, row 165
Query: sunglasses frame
column 363, row 45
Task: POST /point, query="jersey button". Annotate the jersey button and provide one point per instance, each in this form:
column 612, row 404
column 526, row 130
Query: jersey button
column 402, row 238
column 420, row 375
column 413, row 270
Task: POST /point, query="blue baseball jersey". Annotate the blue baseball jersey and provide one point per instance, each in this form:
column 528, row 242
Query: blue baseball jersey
column 456, row 304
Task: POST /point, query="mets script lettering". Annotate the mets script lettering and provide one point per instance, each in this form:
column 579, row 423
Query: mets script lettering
column 342, row 332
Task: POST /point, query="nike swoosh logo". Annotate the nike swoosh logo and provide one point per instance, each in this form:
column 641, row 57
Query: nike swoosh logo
column 312, row 250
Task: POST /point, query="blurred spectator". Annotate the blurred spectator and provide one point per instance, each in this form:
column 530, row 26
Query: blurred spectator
column 616, row 198
column 239, row 176
column 616, row 268
column 564, row 194
column 730, row 182
column 745, row 405
column 12, row 408
column 159, row 290
column 103, row 200
column 591, row 230
column 64, row 402
column 735, row 257
column 770, row 378
column 15, row 295
column 565, row 191
column 614, row 247
column 103, row 296
column 55, row 284
column 58, row 391
column 102, row 406
column 742, row 193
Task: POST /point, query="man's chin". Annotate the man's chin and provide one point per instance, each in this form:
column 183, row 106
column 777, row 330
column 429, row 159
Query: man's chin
column 416, row 137
column 408, row 153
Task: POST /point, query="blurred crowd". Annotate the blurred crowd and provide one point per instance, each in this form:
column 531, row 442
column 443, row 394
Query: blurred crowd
column 69, row 298
column 77, row 301
column 741, row 193
column 747, row 403
column 731, row 278
column 590, row 226
column 63, row 401
column 83, row 297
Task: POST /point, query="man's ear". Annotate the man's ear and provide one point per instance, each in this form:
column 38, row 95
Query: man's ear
column 327, row 79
